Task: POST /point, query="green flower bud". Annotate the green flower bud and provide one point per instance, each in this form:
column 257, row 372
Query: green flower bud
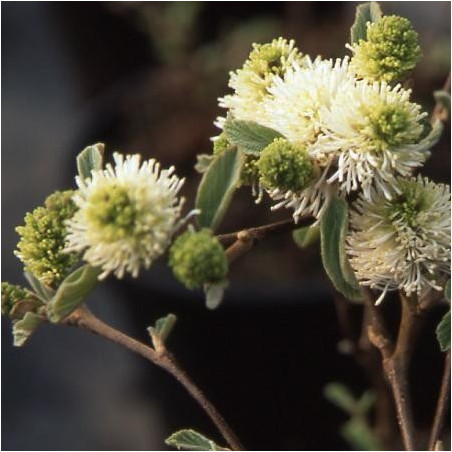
column 285, row 166
column 250, row 171
column 390, row 51
column 220, row 144
column 43, row 239
column 198, row 258
column 17, row 300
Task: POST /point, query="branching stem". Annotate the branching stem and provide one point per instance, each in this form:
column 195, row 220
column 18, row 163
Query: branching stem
column 83, row 318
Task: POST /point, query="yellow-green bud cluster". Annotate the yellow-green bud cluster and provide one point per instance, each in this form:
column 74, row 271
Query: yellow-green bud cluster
column 249, row 173
column 220, row 144
column 390, row 51
column 17, row 300
column 391, row 125
column 43, row 239
column 285, row 166
column 198, row 258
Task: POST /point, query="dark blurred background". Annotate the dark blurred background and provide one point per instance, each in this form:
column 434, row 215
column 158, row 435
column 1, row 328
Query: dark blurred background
column 144, row 77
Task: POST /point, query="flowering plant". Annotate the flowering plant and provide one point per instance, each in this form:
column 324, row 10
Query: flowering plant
column 336, row 142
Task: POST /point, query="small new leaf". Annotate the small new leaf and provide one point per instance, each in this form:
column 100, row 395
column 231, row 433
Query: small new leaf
column 306, row 236
column 341, row 396
column 43, row 292
column 333, row 230
column 359, row 434
column 23, row 329
column 248, row 136
column 366, row 12
column 191, row 440
column 91, row 158
column 217, row 187
column 161, row 330
column 73, row 292
column 214, row 294
column 203, row 162
column 443, row 332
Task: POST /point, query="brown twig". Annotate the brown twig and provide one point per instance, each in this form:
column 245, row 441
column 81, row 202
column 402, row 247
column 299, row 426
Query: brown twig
column 442, row 405
column 83, row 318
column 242, row 241
column 397, row 358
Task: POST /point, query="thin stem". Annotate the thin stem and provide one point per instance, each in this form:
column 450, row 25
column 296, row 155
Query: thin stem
column 83, row 318
column 242, row 241
column 442, row 406
column 438, row 112
column 397, row 358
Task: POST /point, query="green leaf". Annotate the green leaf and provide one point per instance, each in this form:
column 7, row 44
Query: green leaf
column 333, row 230
column 191, row 440
column 72, row 292
column 359, row 434
column 203, row 162
column 248, row 136
column 341, row 396
column 365, row 403
column 443, row 332
column 43, row 292
column 23, row 329
column 447, row 291
column 306, row 236
column 215, row 293
column 91, row 158
column 217, row 187
column 443, row 98
column 366, row 12
column 161, row 330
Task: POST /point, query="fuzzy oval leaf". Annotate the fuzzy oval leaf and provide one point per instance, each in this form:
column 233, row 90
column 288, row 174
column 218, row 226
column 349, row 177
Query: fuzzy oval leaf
column 217, row 187
column 366, row 12
column 341, row 396
column 248, row 136
column 215, row 293
column 191, row 440
column 358, row 433
column 443, row 332
column 91, row 158
column 72, row 292
column 333, row 230
column 306, row 236
column 23, row 329
column 43, row 292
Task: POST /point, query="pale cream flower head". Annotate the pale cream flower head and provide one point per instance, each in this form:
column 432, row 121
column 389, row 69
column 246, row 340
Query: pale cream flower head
column 127, row 215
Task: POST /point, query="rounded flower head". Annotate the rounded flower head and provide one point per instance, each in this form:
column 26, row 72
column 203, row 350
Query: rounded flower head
column 372, row 133
column 285, row 166
column 390, row 51
column 42, row 239
column 198, row 258
column 297, row 97
column 251, row 82
column 127, row 215
column 402, row 243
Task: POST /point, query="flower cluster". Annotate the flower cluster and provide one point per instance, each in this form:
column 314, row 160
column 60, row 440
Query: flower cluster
column 402, row 243
column 126, row 215
column 358, row 131
column 42, row 239
column 198, row 258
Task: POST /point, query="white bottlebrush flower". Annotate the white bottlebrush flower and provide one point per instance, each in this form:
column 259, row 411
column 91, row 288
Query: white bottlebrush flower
column 372, row 134
column 402, row 243
column 127, row 215
column 251, row 83
column 296, row 98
